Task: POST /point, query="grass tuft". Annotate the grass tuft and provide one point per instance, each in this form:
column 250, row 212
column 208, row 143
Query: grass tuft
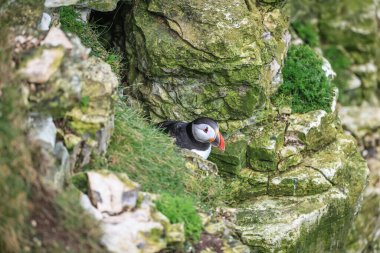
column 306, row 87
column 181, row 210
column 71, row 22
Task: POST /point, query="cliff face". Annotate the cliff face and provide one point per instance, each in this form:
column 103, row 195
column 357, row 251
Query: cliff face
column 348, row 35
column 214, row 58
column 293, row 179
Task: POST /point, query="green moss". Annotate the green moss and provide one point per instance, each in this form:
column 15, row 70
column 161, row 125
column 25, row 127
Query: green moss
column 307, row 32
column 306, row 87
column 80, row 181
column 181, row 210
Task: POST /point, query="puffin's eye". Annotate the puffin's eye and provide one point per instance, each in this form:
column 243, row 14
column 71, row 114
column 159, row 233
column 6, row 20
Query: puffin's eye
column 205, row 130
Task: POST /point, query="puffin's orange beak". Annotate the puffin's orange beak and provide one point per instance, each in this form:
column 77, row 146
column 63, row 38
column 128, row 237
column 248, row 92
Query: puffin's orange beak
column 219, row 142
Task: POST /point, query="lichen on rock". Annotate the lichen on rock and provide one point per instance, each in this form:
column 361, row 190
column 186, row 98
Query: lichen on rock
column 194, row 68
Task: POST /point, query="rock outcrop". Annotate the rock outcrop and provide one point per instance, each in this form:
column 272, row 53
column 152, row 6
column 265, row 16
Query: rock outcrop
column 291, row 176
column 363, row 122
column 69, row 95
column 128, row 217
column 204, row 58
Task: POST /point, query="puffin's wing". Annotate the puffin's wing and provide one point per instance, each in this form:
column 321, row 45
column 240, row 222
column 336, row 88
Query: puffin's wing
column 168, row 126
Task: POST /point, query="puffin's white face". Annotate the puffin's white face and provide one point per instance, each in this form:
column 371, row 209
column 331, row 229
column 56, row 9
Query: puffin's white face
column 203, row 133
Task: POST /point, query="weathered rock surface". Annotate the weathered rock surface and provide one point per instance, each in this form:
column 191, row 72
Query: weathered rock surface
column 290, row 176
column 319, row 218
column 70, row 98
column 99, row 5
column 128, row 217
column 364, row 123
column 209, row 58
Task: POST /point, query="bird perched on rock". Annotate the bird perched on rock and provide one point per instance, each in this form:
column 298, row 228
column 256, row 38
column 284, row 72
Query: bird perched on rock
column 198, row 136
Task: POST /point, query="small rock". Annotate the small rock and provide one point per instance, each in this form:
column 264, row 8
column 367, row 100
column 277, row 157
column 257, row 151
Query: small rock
column 43, row 130
column 285, row 110
column 56, row 37
column 58, row 3
column 43, row 65
column 45, row 22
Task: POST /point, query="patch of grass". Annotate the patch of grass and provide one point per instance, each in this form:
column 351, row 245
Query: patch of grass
column 181, row 210
column 306, row 87
column 15, row 168
column 307, row 33
column 147, row 155
column 71, row 22
column 150, row 158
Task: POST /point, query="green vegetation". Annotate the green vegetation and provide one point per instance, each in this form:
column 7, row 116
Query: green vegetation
column 340, row 62
column 181, row 210
column 306, row 87
column 150, row 158
column 71, row 22
column 77, row 222
column 307, row 33
column 13, row 165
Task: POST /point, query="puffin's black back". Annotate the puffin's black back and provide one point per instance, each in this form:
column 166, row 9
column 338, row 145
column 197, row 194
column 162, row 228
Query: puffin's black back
column 182, row 132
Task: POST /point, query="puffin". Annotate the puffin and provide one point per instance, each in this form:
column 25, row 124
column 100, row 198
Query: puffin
column 198, row 135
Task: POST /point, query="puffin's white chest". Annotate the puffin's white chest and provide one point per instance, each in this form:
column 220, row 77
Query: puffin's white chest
column 203, row 153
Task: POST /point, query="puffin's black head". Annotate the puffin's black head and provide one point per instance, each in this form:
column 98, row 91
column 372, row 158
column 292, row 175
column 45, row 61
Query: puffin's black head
column 206, row 130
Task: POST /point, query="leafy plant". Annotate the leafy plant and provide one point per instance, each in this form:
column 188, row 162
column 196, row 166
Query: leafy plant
column 181, row 209
column 306, row 87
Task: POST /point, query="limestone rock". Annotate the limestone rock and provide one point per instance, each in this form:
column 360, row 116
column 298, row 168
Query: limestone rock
column 42, row 130
column 234, row 158
column 360, row 120
column 199, row 165
column 112, row 194
column 299, row 181
column 363, row 123
column 45, row 22
column 270, row 224
column 128, row 225
column 56, row 37
column 249, row 184
column 59, row 3
column 264, row 146
column 314, row 129
column 42, row 65
column 194, row 68
column 99, row 5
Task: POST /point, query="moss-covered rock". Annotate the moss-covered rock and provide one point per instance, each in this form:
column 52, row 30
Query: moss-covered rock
column 264, row 145
column 314, row 129
column 234, row 158
column 318, row 221
column 299, row 181
column 363, row 123
column 192, row 67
